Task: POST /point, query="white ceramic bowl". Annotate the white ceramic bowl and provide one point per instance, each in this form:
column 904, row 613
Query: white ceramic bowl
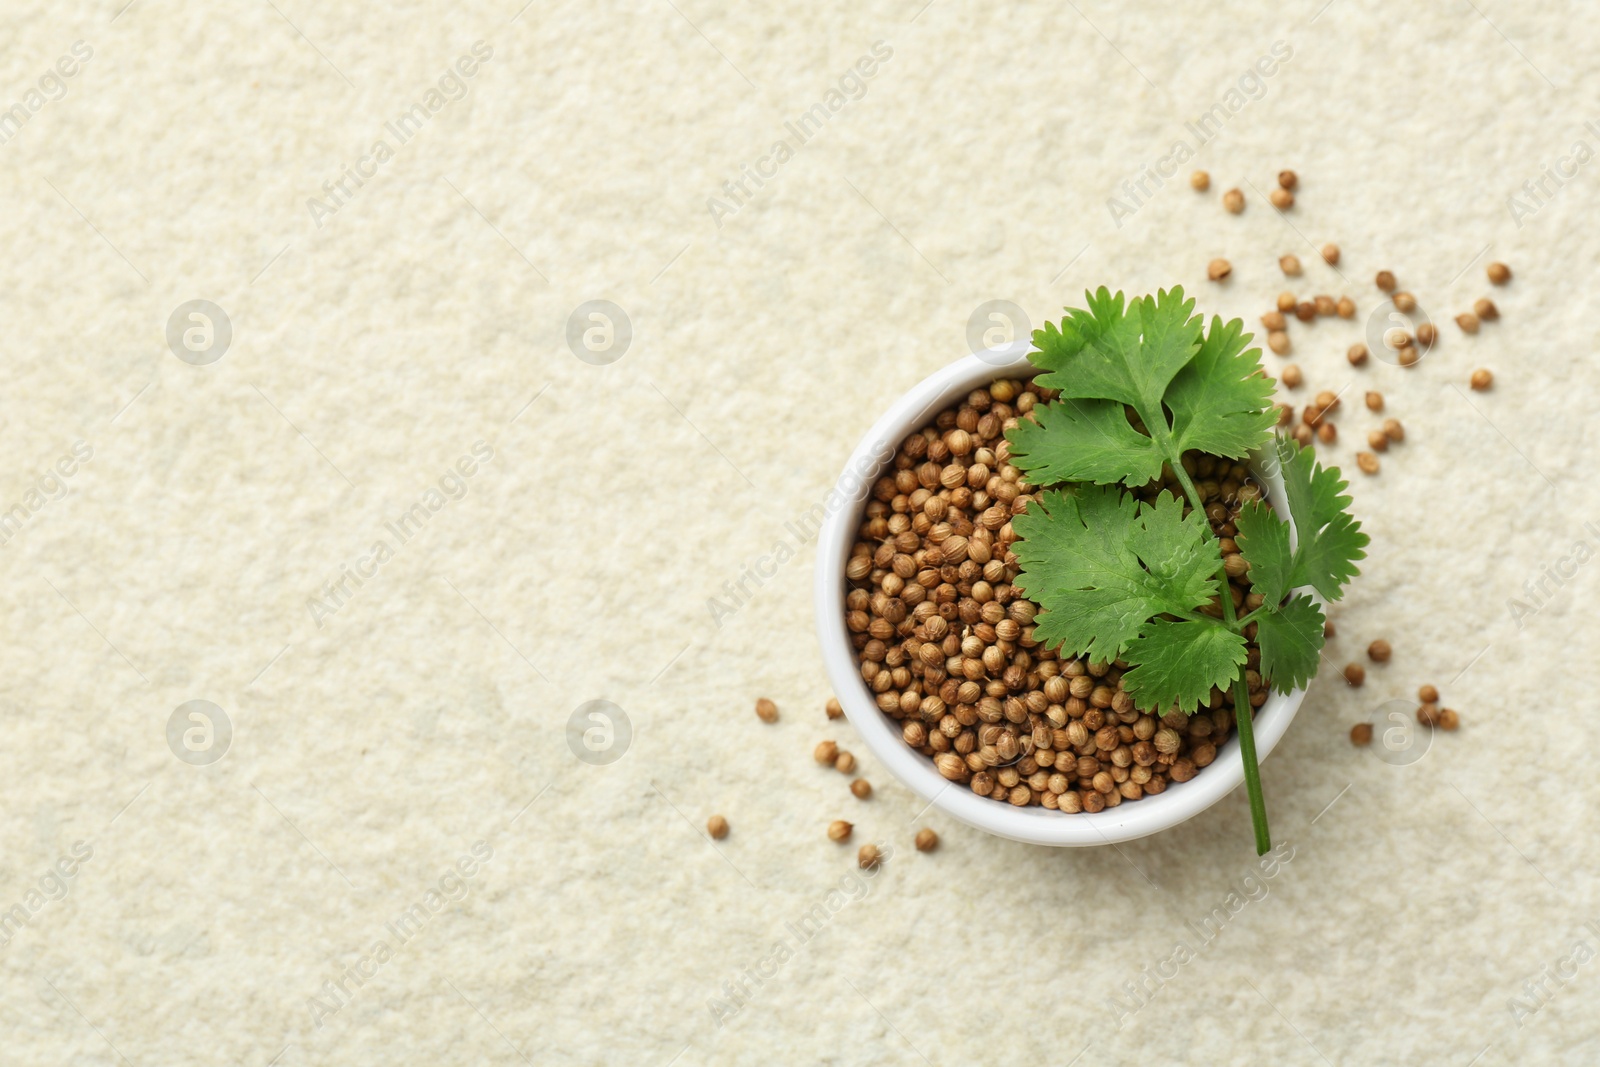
column 1035, row 825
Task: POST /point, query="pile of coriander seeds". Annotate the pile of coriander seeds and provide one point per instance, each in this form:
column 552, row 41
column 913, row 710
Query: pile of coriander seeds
column 946, row 641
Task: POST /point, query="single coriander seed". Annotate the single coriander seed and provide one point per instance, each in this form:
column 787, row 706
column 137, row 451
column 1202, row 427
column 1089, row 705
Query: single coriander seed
column 825, row 752
column 1355, row 673
column 839, row 830
column 1326, row 305
column 1385, row 281
column 833, row 708
column 1273, row 320
column 1377, row 441
column 1393, row 430
column 1306, row 310
column 1282, row 199
column 927, row 840
column 1330, row 254
column 1327, row 433
column 1361, row 733
column 1287, row 179
column 1481, row 379
column 867, row 857
column 1449, row 719
column 1468, row 322
column 1286, row 301
column 1233, row 200
column 1428, row 694
column 717, row 827
column 1379, row 651
column 1428, row 714
column 844, row 763
column 1357, row 354
column 1484, row 308
column 1218, row 269
column 1346, row 308
column 1427, row 335
column 1199, row 181
column 1404, row 301
column 1367, row 462
column 1499, row 273
column 1278, row 341
column 1291, row 376
column 766, row 710
column 1374, row 400
column 1290, row 265
column 861, row 788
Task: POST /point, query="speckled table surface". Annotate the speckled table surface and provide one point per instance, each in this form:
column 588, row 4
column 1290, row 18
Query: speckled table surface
column 394, row 505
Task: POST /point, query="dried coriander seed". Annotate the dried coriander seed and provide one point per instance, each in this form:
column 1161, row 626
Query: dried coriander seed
column 1468, row 322
column 1218, row 269
column 1355, row 673
column 1287, row 179
column 1290, row 265
column 1428, row 694
column 825, row 752
column 844, row 763
column 1484, row 308
column 717, row 827
column 1327, row 433
column 1481, row 379
column 1303, row 435
column 867, row 858
column 1404, row 301
column 1278, row 341
column 1449, row 719
column 766, row 710
column 1377, row 440
column 1427, row 335
column 1273, row 320
column 833, row 708
column 1361, row 733
column 1233, row 200
column 1325, row 305
column 1367, row 462
column 1499, row 273
column 1306, row 310
column 1346, row 308
column 1286, row 301
column 1379, row 651
column 1282, row 199
column 1291, row 376
column 1407, row 356
column 1330, row 254
column 1357, row 354
column 927, row 840
column 1393, row 430
column 839, row 830
column 1428, row 714
column 861, row 788
column 1385, row 281
column 1374, row 400
column 1199, row 181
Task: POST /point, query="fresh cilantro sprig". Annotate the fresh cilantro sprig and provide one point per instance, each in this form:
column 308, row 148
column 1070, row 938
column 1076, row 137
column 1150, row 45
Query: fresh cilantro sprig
column 1140, row 383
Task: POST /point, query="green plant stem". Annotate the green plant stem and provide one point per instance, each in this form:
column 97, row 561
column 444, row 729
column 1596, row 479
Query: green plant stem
column 1241, row 690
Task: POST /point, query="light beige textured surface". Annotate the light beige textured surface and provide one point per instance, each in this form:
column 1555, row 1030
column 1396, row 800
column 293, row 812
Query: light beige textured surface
column 429, row 711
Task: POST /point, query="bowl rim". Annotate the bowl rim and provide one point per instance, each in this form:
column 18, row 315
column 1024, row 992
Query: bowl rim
column 1180, row 802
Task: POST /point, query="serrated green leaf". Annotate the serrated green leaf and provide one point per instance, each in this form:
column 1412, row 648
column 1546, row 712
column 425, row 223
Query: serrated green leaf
column 1263, row 541
column 1111, row 351
column 1084, row 441
column 1329, row 539
column 1101, row 565
column 1179, row 662
column 1220, row 402
column 1290, row 640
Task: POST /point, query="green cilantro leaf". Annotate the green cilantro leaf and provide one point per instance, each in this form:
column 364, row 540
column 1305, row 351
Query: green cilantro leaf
column 1084, row 441
column 1180, row 662
column 1127, row 353
column 1222, row 401
column 1263, row 541
column 1330, row 540
column 1290, row 639
column 1102, row 565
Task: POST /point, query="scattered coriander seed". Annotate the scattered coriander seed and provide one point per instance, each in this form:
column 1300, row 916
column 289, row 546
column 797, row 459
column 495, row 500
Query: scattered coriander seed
column 1291, row 376
column 845, row 763
column 1393, row 430
column 1327, row 433
column 1357, row 354
column 1377, row 441
column 1396, row 338
column 1449, row 719
column 1199, row 181
column 1485, row 309
column 927, row 840
column 1427, row 335
column 1367, row 462
column 1428, row 714
column 1407, row 356
column 1326, row 305
column 1328, row 400
column 1305, row 311
column 1285, row 414
column 1303, row 435
column 1273, row 320
column 1374, row 400
column 717, row 827
column 1385, row 281
column 1428, row 694
column 766, row 710
column 1329, row 631
column 1361, row 733
column 1286, row 301
column 1468, row 322
column 1481, row 379
column 1346, row 308
column 1282, row 199
column 833, row 708
column 1379, row 651
column 1278, row 341
column 1288, row 179
column 1330, row 254
column 1218, row 269
column 867, row 858
column 1499, row 273
column 1404, row 301
column 825, row 752
column 1355, row 673
column 839, row 830
column 1233, row 200
column 1290, row 265
column 861, row 788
